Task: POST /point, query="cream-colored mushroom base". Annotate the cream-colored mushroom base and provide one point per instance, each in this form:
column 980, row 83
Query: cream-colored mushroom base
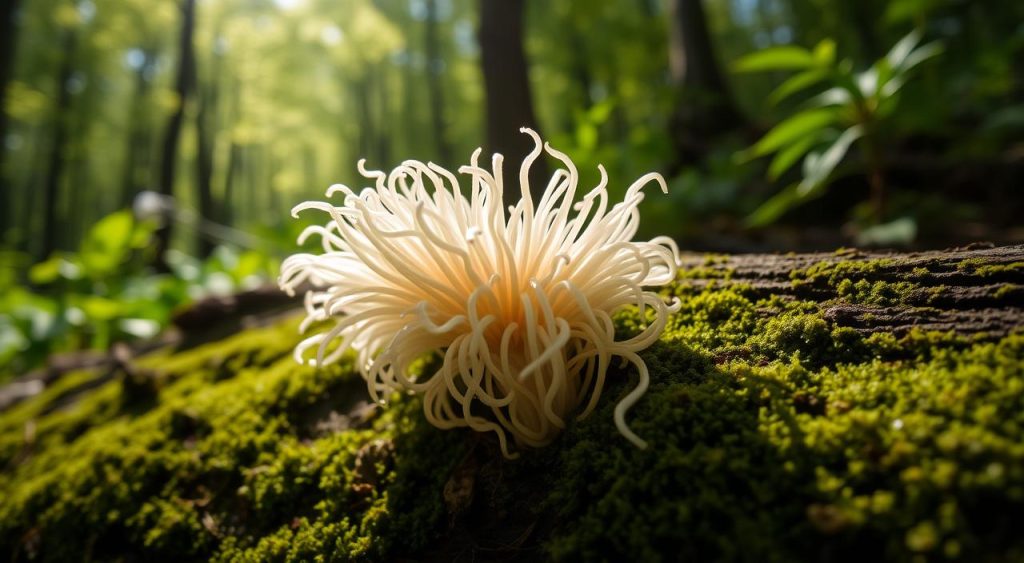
column 518, row 308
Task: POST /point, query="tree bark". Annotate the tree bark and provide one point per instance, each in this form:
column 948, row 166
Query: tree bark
column 183, row 85
column 969, row 290
column 705, row 107
column 58, row 154
column 507, row 88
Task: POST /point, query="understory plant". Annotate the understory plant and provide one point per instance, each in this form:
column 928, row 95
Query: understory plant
column 104, row 292
column 851, row 110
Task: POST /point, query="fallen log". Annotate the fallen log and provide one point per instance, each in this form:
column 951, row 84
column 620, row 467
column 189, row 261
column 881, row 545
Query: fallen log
column 832, row 407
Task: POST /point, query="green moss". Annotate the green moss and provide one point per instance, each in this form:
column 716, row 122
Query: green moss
column 773, row 434
column 876, row 293
column 226, row 465
column 1008, row 291
column 981, row 267
column 835, row 272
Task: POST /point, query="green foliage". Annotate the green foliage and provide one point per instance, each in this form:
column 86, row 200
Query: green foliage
column 854, row 108
column 105, row 293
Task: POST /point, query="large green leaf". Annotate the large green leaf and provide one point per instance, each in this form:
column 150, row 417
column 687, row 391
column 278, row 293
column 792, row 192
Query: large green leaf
column 902, row 49
column 796, row 83
column 774, row 208
column 45, row 272
column 803, row 124
column 99, row 308
column 825, row 52
column 819, row 166
column 107, row 244
column 787, row 57
column 921, row 54
column 834, row 97
column 788, row 156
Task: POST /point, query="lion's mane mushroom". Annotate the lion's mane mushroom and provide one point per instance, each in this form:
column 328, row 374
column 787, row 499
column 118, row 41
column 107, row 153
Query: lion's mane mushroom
column 518, row 308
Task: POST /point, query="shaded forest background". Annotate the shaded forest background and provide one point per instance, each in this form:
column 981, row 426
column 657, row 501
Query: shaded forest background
column 153, row 148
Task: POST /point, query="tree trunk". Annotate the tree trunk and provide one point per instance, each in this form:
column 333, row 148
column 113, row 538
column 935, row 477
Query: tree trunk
column 183, row 85
column 705, row 106
column 205, row 126
column 507, row 89
column 58, row 154
column 8, row 42
column 227, row 211
column 435, row 85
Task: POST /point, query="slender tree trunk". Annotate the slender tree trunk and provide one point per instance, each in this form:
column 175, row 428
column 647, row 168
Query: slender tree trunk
column 51, row 229
column 227, row 212
column 435, row 86
column 8, row 42
column 183, row 85
column 705, row 106
column 205, row 124
column 28, row 213
column 8, row 34
column 507, row 89
column 580, row 69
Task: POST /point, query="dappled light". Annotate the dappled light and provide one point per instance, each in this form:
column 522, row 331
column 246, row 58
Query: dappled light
column 298, row 280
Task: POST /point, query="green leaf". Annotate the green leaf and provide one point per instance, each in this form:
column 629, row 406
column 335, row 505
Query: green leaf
column 901, row 231
column 788, row 156
column 867, row 82
column 819, row 166
column 107, row 244
column 833, row 97
column 902, row 49
column 795, row 84
column 600, row 111
column 774, row 208
column 98, row 308
column 899, row 11
column 825, row 52
column 921, row 54
column 139, row 328
column 250, row 263
column 806, row 123
column 788, row 57
column 143, row 233
column 45, row 272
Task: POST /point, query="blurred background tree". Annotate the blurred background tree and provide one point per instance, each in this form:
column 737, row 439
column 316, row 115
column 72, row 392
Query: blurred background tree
column 235, row 110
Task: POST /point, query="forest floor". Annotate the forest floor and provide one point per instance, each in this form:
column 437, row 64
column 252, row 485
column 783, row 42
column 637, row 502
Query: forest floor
column 833, row 406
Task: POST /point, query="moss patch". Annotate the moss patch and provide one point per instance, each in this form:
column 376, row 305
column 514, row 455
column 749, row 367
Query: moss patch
column 774, row 434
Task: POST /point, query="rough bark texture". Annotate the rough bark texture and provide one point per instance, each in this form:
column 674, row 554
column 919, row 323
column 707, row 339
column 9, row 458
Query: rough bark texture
column 816, row 407
column 968, row 290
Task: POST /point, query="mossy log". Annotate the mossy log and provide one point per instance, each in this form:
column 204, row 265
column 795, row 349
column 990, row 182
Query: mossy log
column 822, row 407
